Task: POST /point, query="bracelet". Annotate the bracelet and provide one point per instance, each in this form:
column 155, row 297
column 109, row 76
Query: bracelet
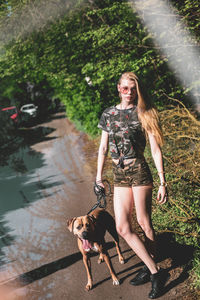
column 163, row 184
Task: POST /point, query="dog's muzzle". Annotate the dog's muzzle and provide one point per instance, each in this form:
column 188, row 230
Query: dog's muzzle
column 85, row 235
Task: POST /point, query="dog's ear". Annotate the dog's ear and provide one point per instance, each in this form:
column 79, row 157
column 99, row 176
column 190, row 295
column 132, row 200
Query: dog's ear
column 70, row 224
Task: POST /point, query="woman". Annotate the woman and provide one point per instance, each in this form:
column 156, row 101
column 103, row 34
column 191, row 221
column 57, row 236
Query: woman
column 125, row 128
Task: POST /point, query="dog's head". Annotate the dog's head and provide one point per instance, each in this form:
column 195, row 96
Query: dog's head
column 83, row 226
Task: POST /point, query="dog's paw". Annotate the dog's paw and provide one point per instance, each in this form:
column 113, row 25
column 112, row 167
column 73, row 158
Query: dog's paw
column 115, row 281
column 100, row 260
column 121, row 260
column 88, row 287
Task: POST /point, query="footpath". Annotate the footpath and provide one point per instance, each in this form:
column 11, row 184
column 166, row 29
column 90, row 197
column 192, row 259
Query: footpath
column 43, row 257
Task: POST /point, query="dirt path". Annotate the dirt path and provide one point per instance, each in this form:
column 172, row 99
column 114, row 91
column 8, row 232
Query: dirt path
column 44, row 254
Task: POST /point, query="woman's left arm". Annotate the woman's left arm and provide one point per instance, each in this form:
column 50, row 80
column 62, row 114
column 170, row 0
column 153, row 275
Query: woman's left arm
column 158, row 160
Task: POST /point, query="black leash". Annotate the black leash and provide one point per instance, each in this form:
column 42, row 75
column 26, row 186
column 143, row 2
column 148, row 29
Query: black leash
column 101, row 194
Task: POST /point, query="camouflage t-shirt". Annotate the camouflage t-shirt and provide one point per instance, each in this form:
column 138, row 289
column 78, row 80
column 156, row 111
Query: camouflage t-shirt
column 126, row 135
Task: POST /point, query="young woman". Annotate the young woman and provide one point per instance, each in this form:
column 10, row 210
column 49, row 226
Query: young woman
column 125, row 128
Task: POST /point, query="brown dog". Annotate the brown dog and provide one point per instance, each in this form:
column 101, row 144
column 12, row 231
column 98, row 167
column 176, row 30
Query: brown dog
column 91, row 230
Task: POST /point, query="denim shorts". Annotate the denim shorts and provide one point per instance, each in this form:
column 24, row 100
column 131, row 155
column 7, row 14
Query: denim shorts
column 135, row 173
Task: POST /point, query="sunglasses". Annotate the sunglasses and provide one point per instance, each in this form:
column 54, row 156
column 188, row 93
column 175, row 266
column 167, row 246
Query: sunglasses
column 125, row 90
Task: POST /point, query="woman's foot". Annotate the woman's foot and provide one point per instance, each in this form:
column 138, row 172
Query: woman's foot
column 142, row 276
column 157, row 281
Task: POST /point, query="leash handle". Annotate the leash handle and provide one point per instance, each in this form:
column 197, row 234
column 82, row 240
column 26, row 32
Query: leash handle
column 99, row 190
column 101, row 194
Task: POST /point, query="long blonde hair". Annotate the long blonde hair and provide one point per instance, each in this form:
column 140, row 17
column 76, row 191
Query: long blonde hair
column 147, row 113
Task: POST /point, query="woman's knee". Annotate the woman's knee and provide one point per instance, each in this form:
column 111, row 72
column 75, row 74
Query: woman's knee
column 145, row 225
column 123, row 230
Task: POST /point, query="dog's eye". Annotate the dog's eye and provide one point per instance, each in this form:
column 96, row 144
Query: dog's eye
column 79, row 227
column 87, row 225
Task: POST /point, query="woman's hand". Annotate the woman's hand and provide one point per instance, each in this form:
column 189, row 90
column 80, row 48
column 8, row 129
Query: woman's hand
column 99, row 182
column 162, row 194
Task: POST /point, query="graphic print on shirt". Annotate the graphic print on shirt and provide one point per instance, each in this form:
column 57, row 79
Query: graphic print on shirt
column 126, row 135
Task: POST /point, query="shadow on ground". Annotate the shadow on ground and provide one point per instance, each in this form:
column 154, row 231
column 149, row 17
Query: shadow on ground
column 19, row 180
column 50, row 268
column 179, row 255
column 36, row 135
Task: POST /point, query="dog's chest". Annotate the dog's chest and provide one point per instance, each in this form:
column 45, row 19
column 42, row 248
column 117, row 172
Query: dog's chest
column 92, row 248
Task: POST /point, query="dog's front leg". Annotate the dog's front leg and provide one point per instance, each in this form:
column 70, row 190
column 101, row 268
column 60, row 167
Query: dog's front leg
column 100, row 260
column 110, row 267
column 87, row 263
column 121, row 259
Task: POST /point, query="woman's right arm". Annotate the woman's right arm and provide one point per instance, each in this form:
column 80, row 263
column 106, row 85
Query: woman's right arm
column 103, row 149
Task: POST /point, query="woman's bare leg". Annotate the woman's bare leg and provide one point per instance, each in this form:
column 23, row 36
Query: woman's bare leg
column 143, row 200
column 123, row 201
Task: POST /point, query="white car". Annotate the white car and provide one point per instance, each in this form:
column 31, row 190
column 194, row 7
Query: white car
column 30, row 109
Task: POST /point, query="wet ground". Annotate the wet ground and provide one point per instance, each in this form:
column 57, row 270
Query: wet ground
column 46, row 182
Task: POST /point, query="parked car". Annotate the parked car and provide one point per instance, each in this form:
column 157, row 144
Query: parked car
column 29, row 109
column 13, row 113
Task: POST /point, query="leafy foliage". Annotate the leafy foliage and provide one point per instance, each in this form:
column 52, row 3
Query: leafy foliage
column 181, row 129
